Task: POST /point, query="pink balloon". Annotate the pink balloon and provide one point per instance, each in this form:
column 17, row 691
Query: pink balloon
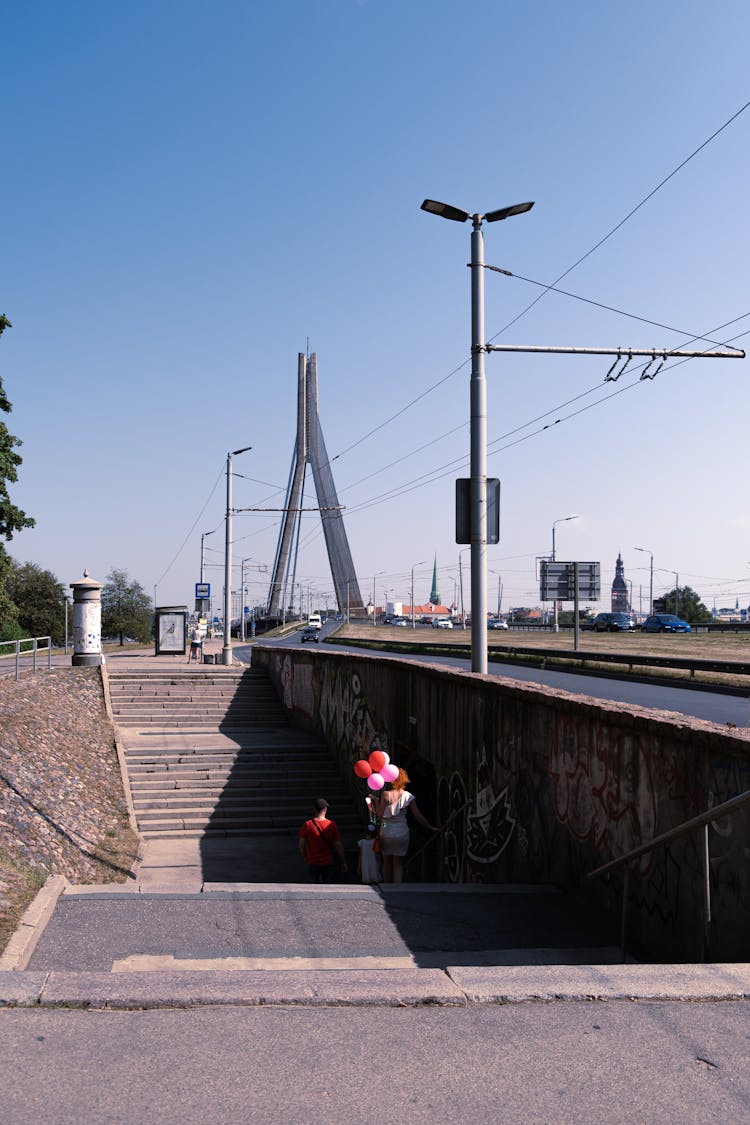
column 375, row 781
column 389, row 772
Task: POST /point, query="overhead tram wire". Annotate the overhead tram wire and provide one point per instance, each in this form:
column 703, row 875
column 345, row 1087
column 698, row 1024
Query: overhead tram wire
column 444, row 470
column 550, row 288
column 622, row 222
column 574, row 296
column 561, row 406
column 192, row 529
column 578, row 262
column 527, row 309
column 449, row 467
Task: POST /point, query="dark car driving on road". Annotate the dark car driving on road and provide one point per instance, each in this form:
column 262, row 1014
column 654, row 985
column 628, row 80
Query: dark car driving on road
column 310, row 634
column 612, row 623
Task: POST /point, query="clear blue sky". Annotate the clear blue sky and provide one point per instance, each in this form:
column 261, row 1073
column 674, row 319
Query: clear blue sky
column 193, row 191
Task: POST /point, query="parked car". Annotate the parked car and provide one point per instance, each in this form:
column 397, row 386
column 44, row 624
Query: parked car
column 442, row 623
column 497, row 623
column 310, row 633
column 665, row 623
column 612, row 623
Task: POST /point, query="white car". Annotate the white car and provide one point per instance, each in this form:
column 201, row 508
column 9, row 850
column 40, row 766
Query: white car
column 442, row 623
column 496, row 623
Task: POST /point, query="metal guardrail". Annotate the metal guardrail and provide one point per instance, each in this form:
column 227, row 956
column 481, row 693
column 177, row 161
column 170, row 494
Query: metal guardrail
column 701, row 821
column 19, row 650
column 631, row 659
column 565, row 657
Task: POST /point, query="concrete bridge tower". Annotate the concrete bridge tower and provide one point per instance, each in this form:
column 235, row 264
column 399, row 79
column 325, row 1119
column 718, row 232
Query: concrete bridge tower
column 310, row 449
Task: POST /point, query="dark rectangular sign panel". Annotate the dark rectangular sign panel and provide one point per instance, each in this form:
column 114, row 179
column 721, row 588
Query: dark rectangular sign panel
column 557, row 581
column 463, row 510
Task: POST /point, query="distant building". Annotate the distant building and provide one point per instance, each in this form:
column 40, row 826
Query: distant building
column 620, row 600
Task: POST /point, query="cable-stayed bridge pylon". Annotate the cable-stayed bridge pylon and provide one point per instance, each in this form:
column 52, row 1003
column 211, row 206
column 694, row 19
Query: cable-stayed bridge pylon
column 309, row 448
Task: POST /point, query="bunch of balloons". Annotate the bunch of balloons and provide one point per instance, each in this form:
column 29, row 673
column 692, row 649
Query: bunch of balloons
column 376, row 769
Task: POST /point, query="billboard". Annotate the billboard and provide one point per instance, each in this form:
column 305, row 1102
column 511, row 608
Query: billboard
column 557, row 581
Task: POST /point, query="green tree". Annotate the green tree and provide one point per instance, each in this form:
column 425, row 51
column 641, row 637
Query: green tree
column 40, row 601
column 12, row 519
column 126, row 608
column 684, row 601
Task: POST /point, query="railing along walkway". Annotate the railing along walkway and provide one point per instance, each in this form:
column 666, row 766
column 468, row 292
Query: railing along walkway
column 20, row 648
column 701, row 821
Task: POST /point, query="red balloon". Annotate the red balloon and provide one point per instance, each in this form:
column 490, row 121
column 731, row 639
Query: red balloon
column 377, row 759
column 362, row 768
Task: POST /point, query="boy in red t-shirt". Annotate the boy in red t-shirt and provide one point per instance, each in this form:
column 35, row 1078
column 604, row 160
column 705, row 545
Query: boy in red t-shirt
column 320, row 844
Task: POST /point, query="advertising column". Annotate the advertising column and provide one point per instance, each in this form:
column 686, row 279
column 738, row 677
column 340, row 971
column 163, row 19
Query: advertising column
column 87, row 621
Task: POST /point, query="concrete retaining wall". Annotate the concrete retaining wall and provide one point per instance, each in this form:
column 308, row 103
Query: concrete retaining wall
column 556, row 785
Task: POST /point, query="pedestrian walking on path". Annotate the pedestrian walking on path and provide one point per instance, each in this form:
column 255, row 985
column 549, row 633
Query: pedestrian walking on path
column 369, row 868
column 394, row 828
column 320, row 844
column 196, row 644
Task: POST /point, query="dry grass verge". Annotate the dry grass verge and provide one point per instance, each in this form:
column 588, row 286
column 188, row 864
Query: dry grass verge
column 62, row 806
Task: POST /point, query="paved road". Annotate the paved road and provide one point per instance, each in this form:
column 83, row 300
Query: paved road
column 713, row 707
column 553, row 1062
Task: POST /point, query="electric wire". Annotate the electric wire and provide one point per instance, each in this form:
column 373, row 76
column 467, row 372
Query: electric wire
column 192, row 529
column 551, row 286
column 622, row 222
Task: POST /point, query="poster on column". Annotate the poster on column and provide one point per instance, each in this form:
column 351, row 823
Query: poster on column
column 170, row 632
column 87, row 628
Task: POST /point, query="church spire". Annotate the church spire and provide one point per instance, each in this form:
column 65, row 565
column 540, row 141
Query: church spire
column 434, row 592
column 620, row 599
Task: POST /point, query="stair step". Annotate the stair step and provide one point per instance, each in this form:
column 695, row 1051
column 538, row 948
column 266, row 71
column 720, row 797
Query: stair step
column 260, row 786
column 257, row 799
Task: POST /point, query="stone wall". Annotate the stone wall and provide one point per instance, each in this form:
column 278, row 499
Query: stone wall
column 543, row 786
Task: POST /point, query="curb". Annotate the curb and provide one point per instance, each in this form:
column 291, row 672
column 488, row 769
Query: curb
column 23, row 942
column 395, row 987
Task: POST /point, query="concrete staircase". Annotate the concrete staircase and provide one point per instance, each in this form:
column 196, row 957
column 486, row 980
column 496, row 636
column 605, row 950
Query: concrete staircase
column 224, row 698
column 211, row 753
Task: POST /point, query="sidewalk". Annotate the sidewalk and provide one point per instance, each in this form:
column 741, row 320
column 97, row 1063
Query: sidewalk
column 184, row 933
column 280, row 944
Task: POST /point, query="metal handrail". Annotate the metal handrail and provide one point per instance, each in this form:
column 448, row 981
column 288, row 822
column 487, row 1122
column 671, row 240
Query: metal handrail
column 35, row 646
column 439, row 834
column 701, row 821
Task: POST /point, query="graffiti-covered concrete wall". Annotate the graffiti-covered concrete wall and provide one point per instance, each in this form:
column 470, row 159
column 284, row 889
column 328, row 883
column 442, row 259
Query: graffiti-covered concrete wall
column 539, row 786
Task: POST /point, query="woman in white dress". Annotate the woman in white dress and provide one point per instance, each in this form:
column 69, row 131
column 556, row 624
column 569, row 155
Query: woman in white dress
column 394, row 829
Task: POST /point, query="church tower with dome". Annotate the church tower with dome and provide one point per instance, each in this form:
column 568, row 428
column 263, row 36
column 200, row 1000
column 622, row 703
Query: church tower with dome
column 620, row 601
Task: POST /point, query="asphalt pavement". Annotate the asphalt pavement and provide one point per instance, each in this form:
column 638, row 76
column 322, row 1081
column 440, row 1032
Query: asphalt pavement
column 714, row 707
column 180, row 998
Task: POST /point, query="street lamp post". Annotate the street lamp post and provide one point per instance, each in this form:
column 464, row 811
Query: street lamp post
column 204, row 536
column 374, row 615
column 499, row 589
column 478, row 428
column 413, row 619
column 242, row 596
column 226, row 652
column 563, row 520
column 461, row 586
column 646, row 551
